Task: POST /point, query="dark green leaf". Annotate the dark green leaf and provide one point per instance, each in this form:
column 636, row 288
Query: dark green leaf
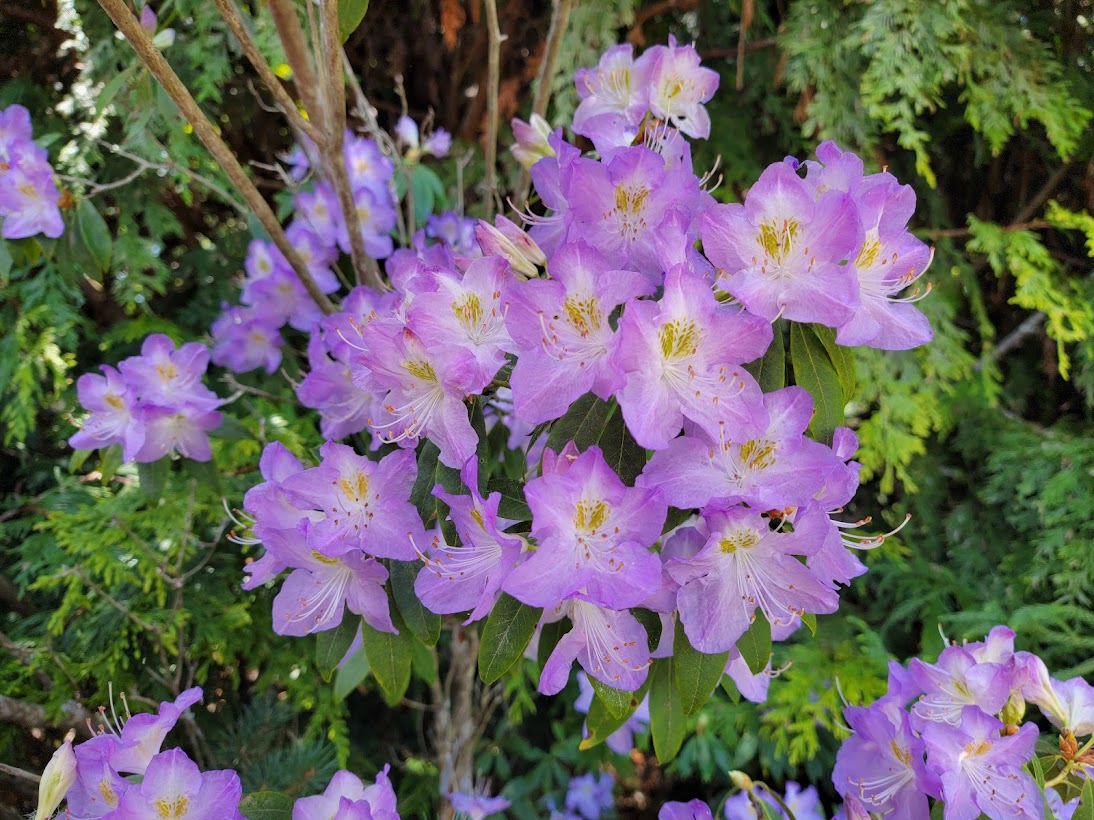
column 95, row 234
column 601, row 723
column 841, row 359
column 266, row 806
column 651, row 621
column 389, row 657
column 204, row 471
column 938, row 810
column 512, row 505
column 508, row 629
column 697, row 674
column 615, row 701
column 432, row 472
column 675, row 518
column 423, row 663
column 428, row 190
column 549, row 636
column 621, row 451
column 814, row 371
column 770, row 369
column 110, row 459
column 350, row 15
column 668, row 723
column 755, row 644
column 351, row 674
column 231, row 429
column 153, row 478
column 1085, row 811
column 5, row 260
column 582, row 424
column 425, row 625
column 331, row 645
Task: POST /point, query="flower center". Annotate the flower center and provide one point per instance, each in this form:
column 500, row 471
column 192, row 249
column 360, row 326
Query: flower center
column 679, row 338
column 777, row 240
column 421, row 370
column 469, row 310
column 354, row 488
column 172, row 808
column 758, row 454
column 115, row 401
column 867, row 257
column 900, row 753
column 631, row 199
column 110, row 797
column 591, row 515
column 324, row 559
column 739, row 539
column 582, row 314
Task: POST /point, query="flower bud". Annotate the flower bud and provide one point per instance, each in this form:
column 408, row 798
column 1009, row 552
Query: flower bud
column 1014, row 710
column 742, row 781
column 58, row 777
column 510, row 242
column 531, row 145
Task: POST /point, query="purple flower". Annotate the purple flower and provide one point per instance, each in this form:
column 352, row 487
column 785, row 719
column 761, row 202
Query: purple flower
column 563, row 331
column 981, row 769
column 804, row 804
column 320, row 209
column 169, row 377
column 317, row 255
column 174, row 787
column 781, row 253
column 678, row 87
column 589, row 795
column 344, row 408
column 617, row 205
column 469, row 577
column 477, row 806
column 468, row 311
column 766, row 467
column 957, row 681
column 315, row 595
column 367, row 166
column 112, row 419
column 58, row 777
column 98, row 787
column 881, row 764
column 183, row 428
column 742, row 566
column 347, row 798
column 407, row 131
column 244, row 339
column 610, row 645
column 456, row 231
column 504, row 238
column 425, row 388
column 614, row 98
column 366, row 503
column 531, row 140
column 439, row 143
column 142, row 735
column 375, row 217
column 692, row 810
column 594, row 534
column 15, row 129
column 678, row 355
column 28, row 200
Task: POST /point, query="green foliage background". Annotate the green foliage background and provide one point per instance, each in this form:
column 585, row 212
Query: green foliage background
column 985, row 436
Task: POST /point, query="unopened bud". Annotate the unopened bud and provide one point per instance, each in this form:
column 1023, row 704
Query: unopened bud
column 58, row 777
column 1014, row 710
column 742, row 781
column 510, row 242
column 532, row 144
column 1069, row 746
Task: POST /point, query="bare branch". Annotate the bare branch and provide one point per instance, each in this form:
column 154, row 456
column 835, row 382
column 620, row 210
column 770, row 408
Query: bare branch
column 33, row 716
column 494, row 68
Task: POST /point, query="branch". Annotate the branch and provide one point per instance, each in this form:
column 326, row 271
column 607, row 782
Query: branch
column 296, row 53
column 152, row 58
column 19, row 774
column 961, row 233
column 235, row 22
column 33, row 716
column 491, row 149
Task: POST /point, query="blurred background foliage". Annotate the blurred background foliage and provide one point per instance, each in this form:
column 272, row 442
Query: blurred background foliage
column 985, row 436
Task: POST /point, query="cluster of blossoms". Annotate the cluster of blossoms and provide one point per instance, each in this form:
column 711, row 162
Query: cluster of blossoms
column 151, row 404
column 248, row 336
column 628, row 311
column 121, row 774
column 963, row 741
column 29, row 196
column 588, row 796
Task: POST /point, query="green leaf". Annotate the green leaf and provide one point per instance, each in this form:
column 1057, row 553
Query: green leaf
column 389, row 657
column 231, row 429
column 615, row 700
column 1085, row 811
column 423, row 663
column 1038, row 772
column 110, row 459
column 813, row 370
column 937, row 810
column 582, row 424
column 204, row 471
column 266, row 806
column 697, row 673
column 601, row 723
column 513, row 504
column 350, row 15
column 668, row 723
column 350, row 674
column 623, row 454
column 755, row 644
column 425, row 625
column 428, row 190
column 331, row 645
column 95, row 234
column 841, row 359
column 508, row 629
column 78, row 459
column 770, row 369
column 432, row 472
column 153, row 478
column 549, row 636
column 5, row 260
column 810, row 621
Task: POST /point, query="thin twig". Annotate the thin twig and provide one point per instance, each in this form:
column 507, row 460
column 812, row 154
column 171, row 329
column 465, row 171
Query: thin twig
column 19, row 774
column 152, row 58
column 114, row 602
column 961, row 233
column 494, row 72
column 235, row 23
column 291, row 33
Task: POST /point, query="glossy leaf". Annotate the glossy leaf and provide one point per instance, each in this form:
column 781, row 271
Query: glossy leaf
column 755, row 644
column 841, row 358
column 668, row 723
column 153, row 478
column 813, row 370
column 266, row 806
column 425, row 625
column 697, row 673
column 331, row 645
column 350, row 15
column 601, row 723
column 508, row 629
column 389, row 657
column 95, row 234
column 770, row 369
column 351, row 674
column 582, row 424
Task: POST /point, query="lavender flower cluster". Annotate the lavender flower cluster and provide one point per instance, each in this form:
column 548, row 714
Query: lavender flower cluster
column 151, row 404
column 29, row 197
column 629, row 311
column 121, row 774
column 964, row 740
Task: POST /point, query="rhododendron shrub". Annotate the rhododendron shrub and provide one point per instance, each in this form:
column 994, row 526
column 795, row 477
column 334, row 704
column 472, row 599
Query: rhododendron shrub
column 609, row 430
